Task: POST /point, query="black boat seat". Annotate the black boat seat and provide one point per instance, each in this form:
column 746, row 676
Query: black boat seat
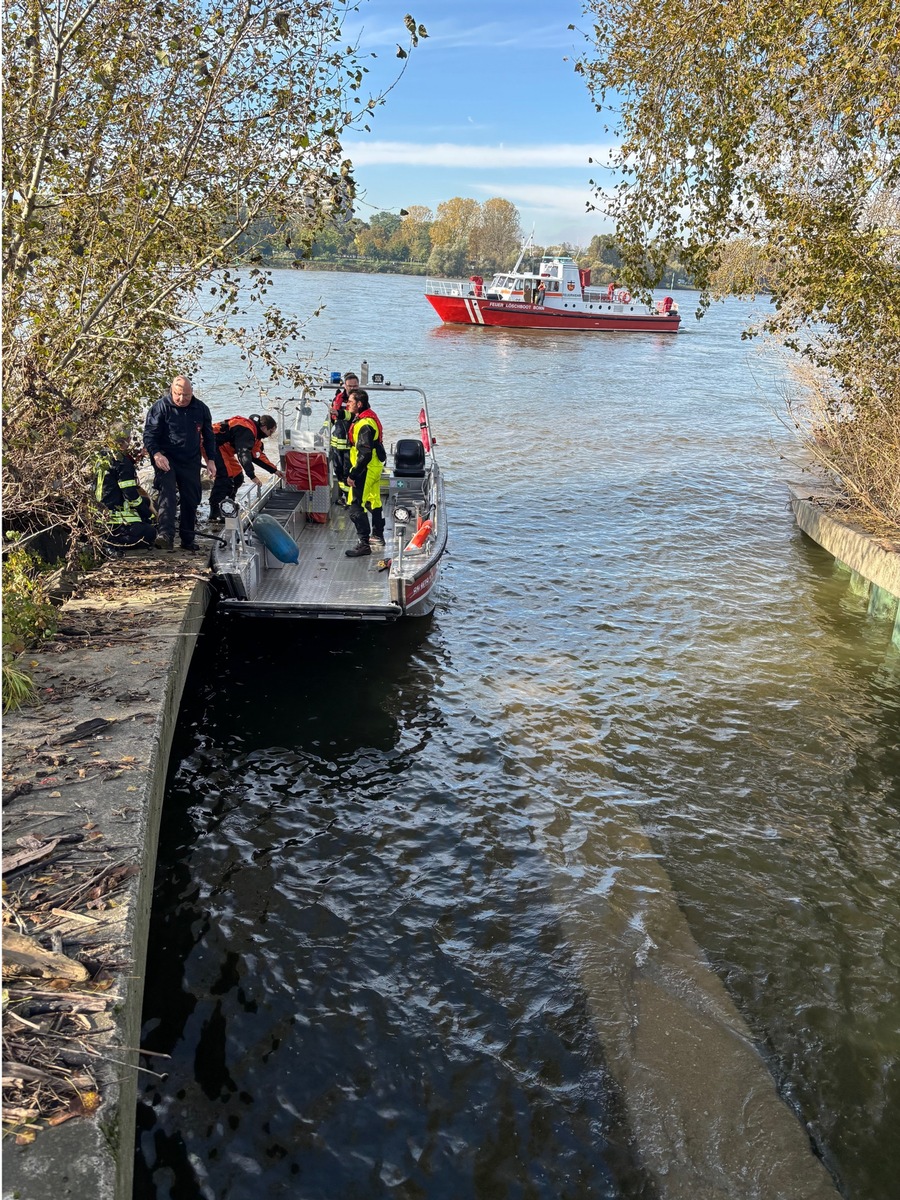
column 409, row 459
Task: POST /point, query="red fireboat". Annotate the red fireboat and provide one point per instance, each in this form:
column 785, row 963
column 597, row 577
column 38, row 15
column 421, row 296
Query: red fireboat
column 558, row 296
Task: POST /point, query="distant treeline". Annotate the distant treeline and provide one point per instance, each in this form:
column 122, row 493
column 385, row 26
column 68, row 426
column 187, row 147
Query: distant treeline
column 461, row 238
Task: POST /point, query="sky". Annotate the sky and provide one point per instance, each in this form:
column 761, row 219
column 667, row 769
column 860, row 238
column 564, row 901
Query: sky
column 489, row 105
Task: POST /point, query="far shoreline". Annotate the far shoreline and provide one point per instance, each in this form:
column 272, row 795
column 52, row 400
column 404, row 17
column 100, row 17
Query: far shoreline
column 354, row 267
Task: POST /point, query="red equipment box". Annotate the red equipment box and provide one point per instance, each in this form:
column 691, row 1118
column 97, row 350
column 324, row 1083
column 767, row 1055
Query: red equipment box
column 306, row 469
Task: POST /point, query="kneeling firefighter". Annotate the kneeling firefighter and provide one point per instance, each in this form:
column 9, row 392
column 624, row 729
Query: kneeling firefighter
column 127, row 510
column 238, row 452
column 366, row 457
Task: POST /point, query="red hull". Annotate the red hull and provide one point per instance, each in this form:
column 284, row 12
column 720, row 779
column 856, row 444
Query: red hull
column 512, row 314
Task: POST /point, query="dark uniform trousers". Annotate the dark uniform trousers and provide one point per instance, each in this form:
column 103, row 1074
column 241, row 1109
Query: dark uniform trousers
column 182, row 480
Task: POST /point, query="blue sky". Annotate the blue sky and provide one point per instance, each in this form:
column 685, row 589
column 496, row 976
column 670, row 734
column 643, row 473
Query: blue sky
column 490, row 105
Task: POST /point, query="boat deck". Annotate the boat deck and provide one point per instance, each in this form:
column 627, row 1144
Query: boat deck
column 329, row 583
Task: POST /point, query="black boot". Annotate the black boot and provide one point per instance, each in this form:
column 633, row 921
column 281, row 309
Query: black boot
column 359, row 550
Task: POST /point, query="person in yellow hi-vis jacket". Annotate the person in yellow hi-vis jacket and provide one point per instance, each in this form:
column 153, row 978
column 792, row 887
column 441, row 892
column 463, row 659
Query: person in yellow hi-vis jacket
column 366, row 457
column 127, row 513
column 340, row 445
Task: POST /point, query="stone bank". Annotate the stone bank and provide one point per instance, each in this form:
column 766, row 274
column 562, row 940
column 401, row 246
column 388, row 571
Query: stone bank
column 87, row 764
column 870, row 563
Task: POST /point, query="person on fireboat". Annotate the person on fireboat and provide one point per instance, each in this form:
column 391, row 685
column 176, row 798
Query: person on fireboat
column 340, row 446
column 366, row 457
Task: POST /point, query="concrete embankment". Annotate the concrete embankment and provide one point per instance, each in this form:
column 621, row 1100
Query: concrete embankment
column 872, row 563
column 84, row 773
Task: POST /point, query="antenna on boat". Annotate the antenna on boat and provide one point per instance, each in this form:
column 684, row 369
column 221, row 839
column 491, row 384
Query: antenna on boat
column 526, row 246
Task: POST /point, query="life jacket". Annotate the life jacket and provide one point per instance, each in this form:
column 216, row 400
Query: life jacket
column 223, row 430
column 367, row 417
column 371, row 496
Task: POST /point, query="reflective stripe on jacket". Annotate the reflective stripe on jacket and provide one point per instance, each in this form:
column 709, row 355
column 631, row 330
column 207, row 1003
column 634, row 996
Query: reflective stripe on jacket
column 339, row 422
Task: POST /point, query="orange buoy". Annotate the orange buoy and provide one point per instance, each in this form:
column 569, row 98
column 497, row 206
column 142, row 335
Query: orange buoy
column 419, row 538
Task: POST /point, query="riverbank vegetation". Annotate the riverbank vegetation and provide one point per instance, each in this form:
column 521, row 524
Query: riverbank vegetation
column 461, row 237
column 141, row 144
column 761, row 146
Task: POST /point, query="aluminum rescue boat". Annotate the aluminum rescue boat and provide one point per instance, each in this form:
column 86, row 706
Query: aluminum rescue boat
column 558, row 296
column 304, row 519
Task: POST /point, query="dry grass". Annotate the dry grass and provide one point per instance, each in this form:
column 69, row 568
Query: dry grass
column 857, row 446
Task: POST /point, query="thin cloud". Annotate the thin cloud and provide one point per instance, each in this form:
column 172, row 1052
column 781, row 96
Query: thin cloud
column 451, row 35
column 544, row 197
column 453, row 154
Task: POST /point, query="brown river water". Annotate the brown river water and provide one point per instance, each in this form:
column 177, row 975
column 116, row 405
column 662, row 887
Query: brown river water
column 389, row 856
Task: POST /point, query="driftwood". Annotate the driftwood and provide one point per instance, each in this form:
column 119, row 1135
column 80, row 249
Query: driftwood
column 25, row 956
column 12, row 861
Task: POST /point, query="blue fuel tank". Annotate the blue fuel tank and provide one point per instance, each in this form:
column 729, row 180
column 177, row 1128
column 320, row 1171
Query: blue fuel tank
column 274, row 538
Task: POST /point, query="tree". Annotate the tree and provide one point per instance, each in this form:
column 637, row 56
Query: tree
column 497, row 237
column 774, row 123
column 455, row 221
column 333, row 241
column 449, row 259
column 374, row 239
column 143, row 146
column 412, row 241
column 386, row 223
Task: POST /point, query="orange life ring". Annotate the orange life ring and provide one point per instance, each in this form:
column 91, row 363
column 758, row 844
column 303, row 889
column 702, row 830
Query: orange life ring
column 624, row 297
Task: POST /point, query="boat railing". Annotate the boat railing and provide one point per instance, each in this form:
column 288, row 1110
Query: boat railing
column 450, row 287
column 602, row 296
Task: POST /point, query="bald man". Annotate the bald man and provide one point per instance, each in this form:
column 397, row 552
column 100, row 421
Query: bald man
column 178, row 434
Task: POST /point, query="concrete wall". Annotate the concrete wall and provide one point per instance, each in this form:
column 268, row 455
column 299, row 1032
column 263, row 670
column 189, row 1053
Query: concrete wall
column 130, row 669
column 873, row 564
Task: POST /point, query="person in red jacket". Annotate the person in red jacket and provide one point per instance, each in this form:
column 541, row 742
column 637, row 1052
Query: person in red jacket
column 239, row 451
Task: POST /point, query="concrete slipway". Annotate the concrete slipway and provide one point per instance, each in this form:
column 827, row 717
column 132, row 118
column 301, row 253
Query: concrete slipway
column 92, row 758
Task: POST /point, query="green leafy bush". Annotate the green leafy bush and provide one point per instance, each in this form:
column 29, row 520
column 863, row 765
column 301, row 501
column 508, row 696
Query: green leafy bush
column 29, row 618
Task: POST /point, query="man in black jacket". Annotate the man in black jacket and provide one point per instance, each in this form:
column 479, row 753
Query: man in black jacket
column 177, row 433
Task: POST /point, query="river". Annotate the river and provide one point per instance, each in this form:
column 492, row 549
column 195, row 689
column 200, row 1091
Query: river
column 390, row 856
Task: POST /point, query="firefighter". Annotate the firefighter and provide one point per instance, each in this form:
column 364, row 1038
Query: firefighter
column 127, row 511
column 238, row 453
column 340, row 446
column 366, row 457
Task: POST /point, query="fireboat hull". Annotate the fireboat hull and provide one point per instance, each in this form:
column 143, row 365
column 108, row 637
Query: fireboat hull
column 511, row 314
